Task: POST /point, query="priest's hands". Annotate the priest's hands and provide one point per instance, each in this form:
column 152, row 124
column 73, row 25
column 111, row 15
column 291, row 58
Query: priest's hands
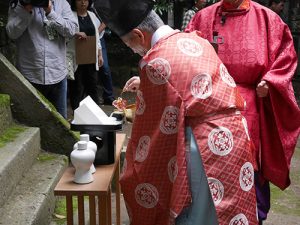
column 132, row 84
column 262, row 89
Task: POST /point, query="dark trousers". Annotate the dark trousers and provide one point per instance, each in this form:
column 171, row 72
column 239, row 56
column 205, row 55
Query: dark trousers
column 85, row 84
column 56, row 94
column 105, row 79
column 262, row 197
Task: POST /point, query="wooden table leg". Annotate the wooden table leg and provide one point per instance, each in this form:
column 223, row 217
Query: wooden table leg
column 102, row 209
column 118, row 194
column 92, row 208
column 80, row 210
column 69, row 201
column 108, row 197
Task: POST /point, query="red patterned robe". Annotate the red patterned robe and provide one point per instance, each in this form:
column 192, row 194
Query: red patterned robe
column 183, row 83
column 258, row 46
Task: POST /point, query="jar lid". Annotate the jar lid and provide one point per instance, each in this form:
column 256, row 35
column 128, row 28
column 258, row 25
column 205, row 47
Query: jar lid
column 82, row 145
column 85, row 137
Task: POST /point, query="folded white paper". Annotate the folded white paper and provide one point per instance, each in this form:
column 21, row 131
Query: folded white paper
column 89, row 112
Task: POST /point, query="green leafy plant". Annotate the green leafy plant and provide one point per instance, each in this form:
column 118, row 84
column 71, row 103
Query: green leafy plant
column 161, row 6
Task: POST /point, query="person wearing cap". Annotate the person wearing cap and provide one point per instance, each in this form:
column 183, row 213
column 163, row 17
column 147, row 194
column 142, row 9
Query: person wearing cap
column 189, row 158
column 259, row 53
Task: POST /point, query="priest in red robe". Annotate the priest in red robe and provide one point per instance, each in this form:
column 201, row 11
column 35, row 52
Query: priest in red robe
column 189, row 159
column 257, row 48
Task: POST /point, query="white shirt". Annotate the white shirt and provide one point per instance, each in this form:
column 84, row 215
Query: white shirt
column 159, row 33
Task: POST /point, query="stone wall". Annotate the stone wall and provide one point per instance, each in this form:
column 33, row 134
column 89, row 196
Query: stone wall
column 7, row 47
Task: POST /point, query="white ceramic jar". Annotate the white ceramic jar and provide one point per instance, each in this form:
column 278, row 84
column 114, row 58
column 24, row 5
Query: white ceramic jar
column 82, row 158
column 91, row 145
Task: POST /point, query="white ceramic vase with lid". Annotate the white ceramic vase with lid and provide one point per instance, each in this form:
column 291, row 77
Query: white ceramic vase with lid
column 91, row 145
column 82, row 158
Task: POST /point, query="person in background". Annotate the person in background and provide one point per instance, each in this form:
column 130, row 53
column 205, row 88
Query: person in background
column 189, row 158
column 86, row 77
column 188, row 15
column 40, row 33
column 105, row 78
column 277, row 6
column 259, row 53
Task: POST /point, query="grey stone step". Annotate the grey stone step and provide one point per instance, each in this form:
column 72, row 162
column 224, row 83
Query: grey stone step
column 16, row 158
column 5, row 113
column 32, row 202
